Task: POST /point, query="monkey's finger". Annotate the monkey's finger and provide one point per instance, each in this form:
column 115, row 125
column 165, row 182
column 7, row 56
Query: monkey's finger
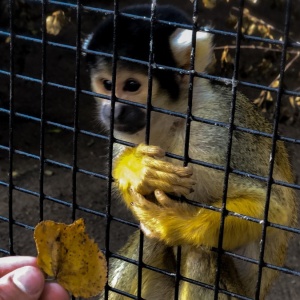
column 136, row 196
column 150, row 150
column 143, row 187
column 169, row 187
column 140, row 205
column 163, row 199
column 170, row 178
column 167, row 167
column 139, row 201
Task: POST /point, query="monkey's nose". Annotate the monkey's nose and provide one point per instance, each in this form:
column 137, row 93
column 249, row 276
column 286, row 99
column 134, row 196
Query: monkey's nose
column 129, row 118
column 120, row 112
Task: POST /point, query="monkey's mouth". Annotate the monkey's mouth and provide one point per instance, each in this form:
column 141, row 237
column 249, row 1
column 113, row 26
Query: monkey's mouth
column 127, row 119
column 129, row 128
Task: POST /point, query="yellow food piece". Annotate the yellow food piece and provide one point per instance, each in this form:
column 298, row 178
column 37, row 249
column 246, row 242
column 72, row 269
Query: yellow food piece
column 66, row 253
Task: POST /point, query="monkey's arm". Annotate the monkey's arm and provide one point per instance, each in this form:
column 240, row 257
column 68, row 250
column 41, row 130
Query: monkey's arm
column 139, row 173
column 180, row 223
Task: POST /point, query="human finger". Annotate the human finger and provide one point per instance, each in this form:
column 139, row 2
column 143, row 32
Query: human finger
column 53, row 290
column 26, row 283
column 10, row 263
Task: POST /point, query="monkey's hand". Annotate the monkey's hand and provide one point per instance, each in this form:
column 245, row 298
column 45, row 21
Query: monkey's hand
column 162, row 218
column 177, row 223
column 143, row 170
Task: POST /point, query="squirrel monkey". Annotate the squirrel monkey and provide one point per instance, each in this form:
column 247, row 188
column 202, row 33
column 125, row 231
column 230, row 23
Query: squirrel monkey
column 146, row 178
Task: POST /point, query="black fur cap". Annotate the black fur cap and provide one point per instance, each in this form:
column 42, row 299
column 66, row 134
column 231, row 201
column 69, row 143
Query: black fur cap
column 133, row 39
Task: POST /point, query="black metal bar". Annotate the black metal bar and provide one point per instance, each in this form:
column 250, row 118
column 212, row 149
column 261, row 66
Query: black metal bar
column 273, row 150
column 111, row 139
column 231, row 128
column 188, row 117
column 150, row 71
column 42, row 114
column 152, row 46
column 181, row 158
column 11, row 125
column 175, row 24
column 75, row 109
column 162, row 67
column 156, row 109
column 197, row 162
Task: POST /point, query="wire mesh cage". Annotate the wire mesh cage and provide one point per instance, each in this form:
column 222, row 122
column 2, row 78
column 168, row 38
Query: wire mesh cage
column 56, row 159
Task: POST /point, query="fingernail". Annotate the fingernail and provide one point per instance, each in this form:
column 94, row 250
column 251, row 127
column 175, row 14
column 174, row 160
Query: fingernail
column 26, row 279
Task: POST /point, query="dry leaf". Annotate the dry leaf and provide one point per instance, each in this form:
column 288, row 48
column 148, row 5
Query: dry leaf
column 294, row 101
column 209, row 3
column 48, row 172
column 66, row 253
column 56, row 22
column 227, row 61
column 226, row 57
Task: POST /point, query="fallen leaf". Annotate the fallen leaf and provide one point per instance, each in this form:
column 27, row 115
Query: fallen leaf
column 48, row 172
column 66, row 253
column 15, row 174
column 209, row 3
column 56, row 22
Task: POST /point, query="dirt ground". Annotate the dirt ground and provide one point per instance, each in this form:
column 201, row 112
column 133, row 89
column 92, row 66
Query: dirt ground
column 90, row 191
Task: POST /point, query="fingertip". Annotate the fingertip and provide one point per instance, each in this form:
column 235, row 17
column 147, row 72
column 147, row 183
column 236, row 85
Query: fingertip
column 160, row 152
column 151, row 150
column 156, row 192
column 159, row 193
column 189, row 169
column 162, row 198
column 30, row 280
column 10, row 263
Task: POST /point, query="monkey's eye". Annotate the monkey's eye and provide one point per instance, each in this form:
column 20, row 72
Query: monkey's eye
column 107, row 85
column 131, row 85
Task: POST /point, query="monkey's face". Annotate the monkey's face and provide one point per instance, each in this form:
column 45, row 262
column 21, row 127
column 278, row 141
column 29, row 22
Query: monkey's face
column 132, row 86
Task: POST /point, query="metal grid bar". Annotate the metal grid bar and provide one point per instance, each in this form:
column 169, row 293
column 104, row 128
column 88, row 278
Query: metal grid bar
column 273, row 150
column 229, row 146
column 158, row 66
column 76, row 112
column 147, row 133
column 188, row 116
column 42, row 120
column 111, row 140
column 11, row 125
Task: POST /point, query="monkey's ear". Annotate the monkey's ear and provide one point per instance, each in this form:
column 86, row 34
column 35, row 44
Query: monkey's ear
column 181, row 45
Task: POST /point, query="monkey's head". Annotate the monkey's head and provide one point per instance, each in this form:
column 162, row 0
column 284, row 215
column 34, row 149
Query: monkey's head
column 171, row 48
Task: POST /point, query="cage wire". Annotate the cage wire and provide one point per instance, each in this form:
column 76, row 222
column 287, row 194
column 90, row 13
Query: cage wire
column 11, row 116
